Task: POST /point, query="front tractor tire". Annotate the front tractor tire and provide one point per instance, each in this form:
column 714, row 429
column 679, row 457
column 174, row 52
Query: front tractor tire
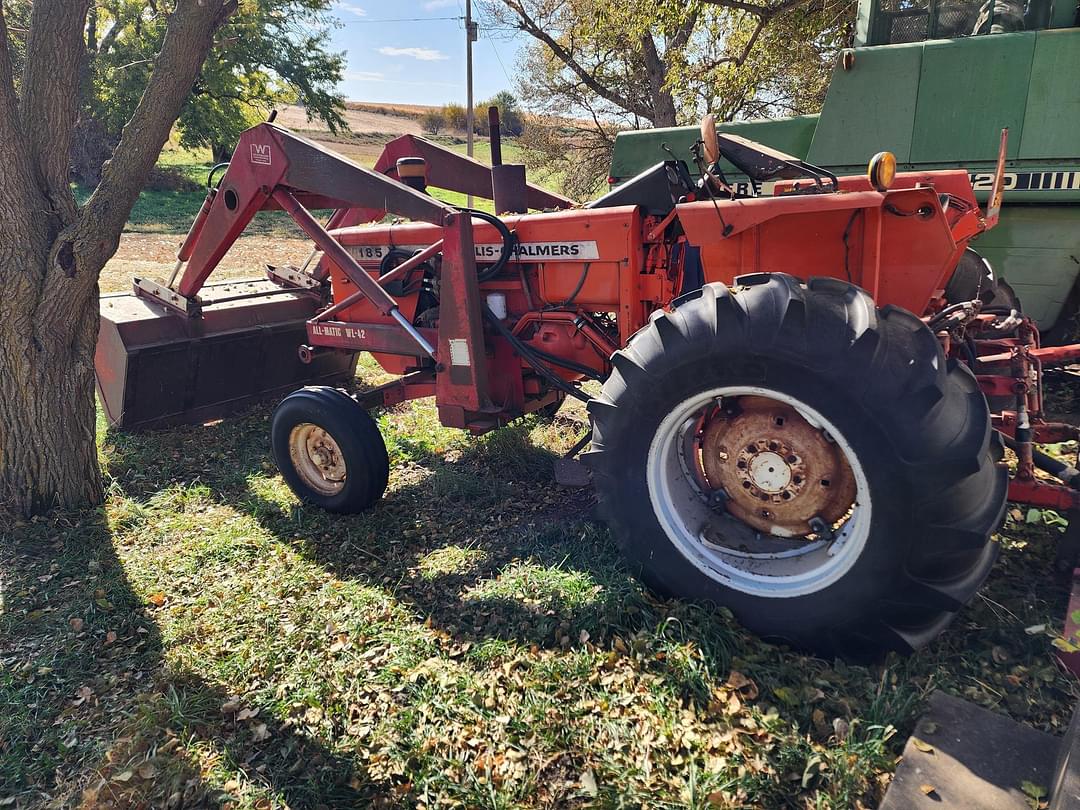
column 329, row 450
column 805, row 459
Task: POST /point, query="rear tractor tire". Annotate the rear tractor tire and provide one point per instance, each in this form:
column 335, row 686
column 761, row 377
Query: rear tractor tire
column 805, row 459
column 329, row 450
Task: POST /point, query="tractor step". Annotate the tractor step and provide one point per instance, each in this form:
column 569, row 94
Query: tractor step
column 156, row 367
column 964, row 756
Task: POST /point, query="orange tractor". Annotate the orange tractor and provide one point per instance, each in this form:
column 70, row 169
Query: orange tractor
column 793, row 415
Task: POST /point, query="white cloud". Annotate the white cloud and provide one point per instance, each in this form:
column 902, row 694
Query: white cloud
column 351, row 7
column 364, row 76
column 423, row 54
column 432, row 5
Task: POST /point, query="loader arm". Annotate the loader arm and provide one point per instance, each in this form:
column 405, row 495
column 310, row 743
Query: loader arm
column 447, row 170
column 270, row 161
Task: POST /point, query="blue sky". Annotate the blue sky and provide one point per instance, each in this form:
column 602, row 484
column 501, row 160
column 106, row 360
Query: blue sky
column 421, row 61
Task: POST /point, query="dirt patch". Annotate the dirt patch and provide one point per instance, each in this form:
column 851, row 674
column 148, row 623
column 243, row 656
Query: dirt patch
column 152, row 255
column 359, row 121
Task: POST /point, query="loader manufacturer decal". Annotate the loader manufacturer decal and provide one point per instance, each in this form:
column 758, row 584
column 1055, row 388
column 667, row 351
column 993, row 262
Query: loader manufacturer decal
column 489, row 252
column 260, row 154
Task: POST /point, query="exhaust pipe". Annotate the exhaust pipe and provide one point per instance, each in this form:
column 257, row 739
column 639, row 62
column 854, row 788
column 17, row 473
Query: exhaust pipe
column 508, row 186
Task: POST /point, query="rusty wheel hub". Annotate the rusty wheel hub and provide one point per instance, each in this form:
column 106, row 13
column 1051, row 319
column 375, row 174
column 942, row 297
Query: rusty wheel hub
column 781, row 474
column 317, row 458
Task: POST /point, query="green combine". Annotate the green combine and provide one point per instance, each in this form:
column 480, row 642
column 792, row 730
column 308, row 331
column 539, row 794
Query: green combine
column 934, row 82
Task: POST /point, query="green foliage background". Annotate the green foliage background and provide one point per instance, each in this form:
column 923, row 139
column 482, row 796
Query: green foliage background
column 270, row 52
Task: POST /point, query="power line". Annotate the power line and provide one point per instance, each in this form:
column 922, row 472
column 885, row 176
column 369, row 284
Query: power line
column 495, row 50
column 398, row 19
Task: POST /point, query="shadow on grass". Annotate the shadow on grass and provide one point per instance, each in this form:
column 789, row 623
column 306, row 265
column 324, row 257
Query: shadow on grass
column 485, row 547
column 82, row 658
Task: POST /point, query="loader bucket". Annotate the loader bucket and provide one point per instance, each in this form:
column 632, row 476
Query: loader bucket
column 156, row 367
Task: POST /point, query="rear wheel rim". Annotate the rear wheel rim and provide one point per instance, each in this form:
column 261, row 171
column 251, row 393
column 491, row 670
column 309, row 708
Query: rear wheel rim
column 698, row 519
column 317, row 459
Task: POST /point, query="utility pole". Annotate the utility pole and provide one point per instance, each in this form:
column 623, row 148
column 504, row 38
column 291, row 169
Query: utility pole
column 470, row 115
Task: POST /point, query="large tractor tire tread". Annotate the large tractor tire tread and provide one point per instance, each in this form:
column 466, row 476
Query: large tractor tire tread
column 923, row 435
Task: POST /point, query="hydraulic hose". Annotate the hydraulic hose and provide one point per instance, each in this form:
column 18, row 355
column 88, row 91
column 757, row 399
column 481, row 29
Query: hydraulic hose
column 1065, row 473
column 526, row 354
column 529, row 354
column 507, row 239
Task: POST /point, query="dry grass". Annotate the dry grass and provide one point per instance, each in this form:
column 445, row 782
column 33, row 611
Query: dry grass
column 473, row 641
column 150, row 255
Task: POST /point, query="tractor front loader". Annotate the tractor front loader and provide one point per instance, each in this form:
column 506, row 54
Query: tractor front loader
column 793, row 419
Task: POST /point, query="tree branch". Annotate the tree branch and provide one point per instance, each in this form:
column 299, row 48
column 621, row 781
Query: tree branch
column 529, row 26
column 54, row 58
column 740, row 60
column 766, row 12
column 188, row 39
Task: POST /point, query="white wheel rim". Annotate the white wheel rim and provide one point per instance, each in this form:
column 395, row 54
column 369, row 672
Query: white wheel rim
column 317, row 459
column 770, row 569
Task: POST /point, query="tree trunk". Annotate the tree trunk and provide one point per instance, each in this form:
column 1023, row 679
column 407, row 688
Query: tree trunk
column 663, row 104
column 48, row 456
column 221, row 153
column 52, row 252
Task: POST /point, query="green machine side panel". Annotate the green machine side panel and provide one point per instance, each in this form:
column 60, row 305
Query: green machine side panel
column 636, row 151
column 969, row 90
column 1052, row 120
column 1063, row 14
column 870, row 107
column 1036, row 248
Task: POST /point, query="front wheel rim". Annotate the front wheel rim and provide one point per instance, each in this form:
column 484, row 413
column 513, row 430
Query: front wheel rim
column 317, row 459
column 695, row 520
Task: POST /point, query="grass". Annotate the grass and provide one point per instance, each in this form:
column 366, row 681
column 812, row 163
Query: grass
column 474, row 641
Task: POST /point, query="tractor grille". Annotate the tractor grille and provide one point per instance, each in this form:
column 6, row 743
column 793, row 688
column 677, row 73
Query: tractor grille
column 918, row 20
column 908, row 28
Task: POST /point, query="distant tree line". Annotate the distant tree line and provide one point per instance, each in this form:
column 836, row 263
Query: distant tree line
column 454, row 117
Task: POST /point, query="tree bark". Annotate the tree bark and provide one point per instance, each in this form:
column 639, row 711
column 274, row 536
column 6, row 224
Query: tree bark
column 52, row 252
column 663, row 103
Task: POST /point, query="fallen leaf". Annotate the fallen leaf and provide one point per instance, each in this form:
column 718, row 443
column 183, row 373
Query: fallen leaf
column 840, row 728
column 588, row 783
column 1035, row 629
column 124, row 777
column 110, row 637
column 927, row 790
column 147, row 770
column 925, row 747
column 157, row 599
column 786, row 695
column 246, row 714
column 1065, row 646
column 260, row 732
column 1033, row 790
column 736, row 680
column 76, row 624
column 230, row 706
